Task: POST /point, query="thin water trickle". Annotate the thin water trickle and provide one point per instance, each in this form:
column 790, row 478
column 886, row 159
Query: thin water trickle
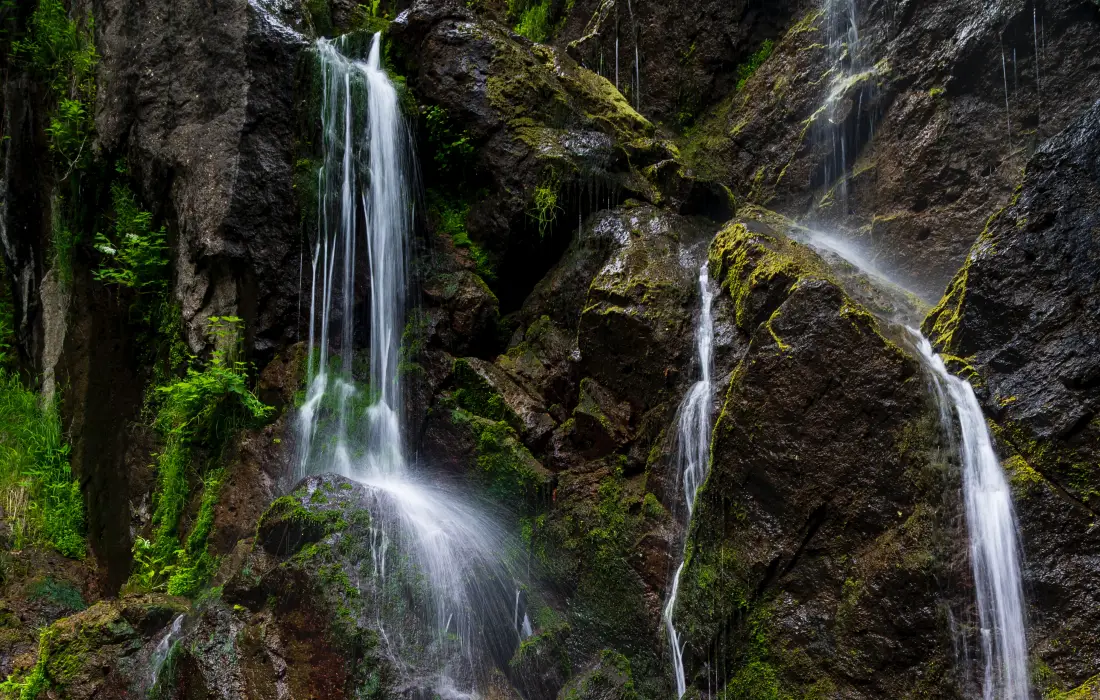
column 693, row 453
column 1008, row 113
column 991, row 523
column 427, row 544
column 160, row 653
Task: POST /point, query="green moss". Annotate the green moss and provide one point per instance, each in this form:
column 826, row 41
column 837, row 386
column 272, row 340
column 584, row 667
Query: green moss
column 749, row 67
column 474, row 394
column 196, row 566
column 511, row 474
column 450, row 215
column 58, row 592
column 743, row 262
column 1086, row 691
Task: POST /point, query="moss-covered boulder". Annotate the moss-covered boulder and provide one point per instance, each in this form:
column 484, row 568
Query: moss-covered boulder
column 105, row 651
column 635, row 333
column 821, row 538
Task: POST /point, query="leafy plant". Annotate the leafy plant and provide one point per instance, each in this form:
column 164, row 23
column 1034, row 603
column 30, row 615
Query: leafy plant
column 136, row 254
column 43, row 499
column 202, row 410
column 546, row 208
column 63, row 53
column 535, row 21
column 453, row 147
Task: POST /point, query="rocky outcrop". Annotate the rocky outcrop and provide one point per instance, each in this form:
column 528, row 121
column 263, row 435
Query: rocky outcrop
column 929, row 150
column 1023, row 315
column 820, row 540
column 215, row 156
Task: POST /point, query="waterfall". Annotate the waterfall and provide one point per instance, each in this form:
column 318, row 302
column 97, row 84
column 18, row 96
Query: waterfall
column 440, row 588
column 991, row 523
column 693, row 453
column 847, row 68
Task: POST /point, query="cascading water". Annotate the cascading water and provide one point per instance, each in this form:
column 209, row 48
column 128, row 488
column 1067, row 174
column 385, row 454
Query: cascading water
column 991, row 523
column 848, row 69
column 990, row 517
column 430, row 550
column 693, row 452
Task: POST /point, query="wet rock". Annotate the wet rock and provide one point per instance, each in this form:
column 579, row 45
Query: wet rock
column 602, row 424
column 213, row 156
column 104, row 651
column 609, row 679
column 1022, row 314
column 820, row 536
column 634, row 334
column 463, row 314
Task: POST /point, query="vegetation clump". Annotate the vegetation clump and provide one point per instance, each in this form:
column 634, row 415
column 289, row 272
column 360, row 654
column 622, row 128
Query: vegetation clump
column 62, row 52
column 136, row 254
column 197, row 415
column 749, row 67
column 42, row 500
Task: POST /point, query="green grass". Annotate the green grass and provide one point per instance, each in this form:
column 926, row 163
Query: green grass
column 41, row 499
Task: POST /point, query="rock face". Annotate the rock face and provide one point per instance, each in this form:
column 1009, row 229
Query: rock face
column 216, row 152
column 1024, row 312
column 567, row 210
column 819, row 539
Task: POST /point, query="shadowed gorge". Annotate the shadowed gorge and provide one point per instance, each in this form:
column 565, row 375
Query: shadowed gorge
column 539, row 350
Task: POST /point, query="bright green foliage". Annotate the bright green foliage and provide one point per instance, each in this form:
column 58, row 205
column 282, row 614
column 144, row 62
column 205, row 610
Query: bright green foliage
column 63, row 53
column 203, row 409
column 135, row 255
column 534, row 20
column 42, row 500
column 36, row 682
column 451, row 216
column 196, row 565
column 452, row 146
column 546, row 208
column 746, row 69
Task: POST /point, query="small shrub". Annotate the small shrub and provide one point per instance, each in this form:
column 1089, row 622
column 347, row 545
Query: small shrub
column 136, row 254
column 535, row 22
column 453, row 146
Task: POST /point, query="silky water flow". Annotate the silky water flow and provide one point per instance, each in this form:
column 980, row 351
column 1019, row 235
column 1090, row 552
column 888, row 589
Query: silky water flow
column 429, row 544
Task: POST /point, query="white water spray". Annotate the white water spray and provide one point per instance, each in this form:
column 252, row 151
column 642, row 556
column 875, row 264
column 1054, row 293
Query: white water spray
column 693, row 453
column 991, row 522
column 442, row 550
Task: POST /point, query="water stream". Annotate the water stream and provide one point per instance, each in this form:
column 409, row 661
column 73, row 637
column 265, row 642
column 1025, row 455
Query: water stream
column 995, row 552
column 431, row 550
column 991, row 523
column 693, row 453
